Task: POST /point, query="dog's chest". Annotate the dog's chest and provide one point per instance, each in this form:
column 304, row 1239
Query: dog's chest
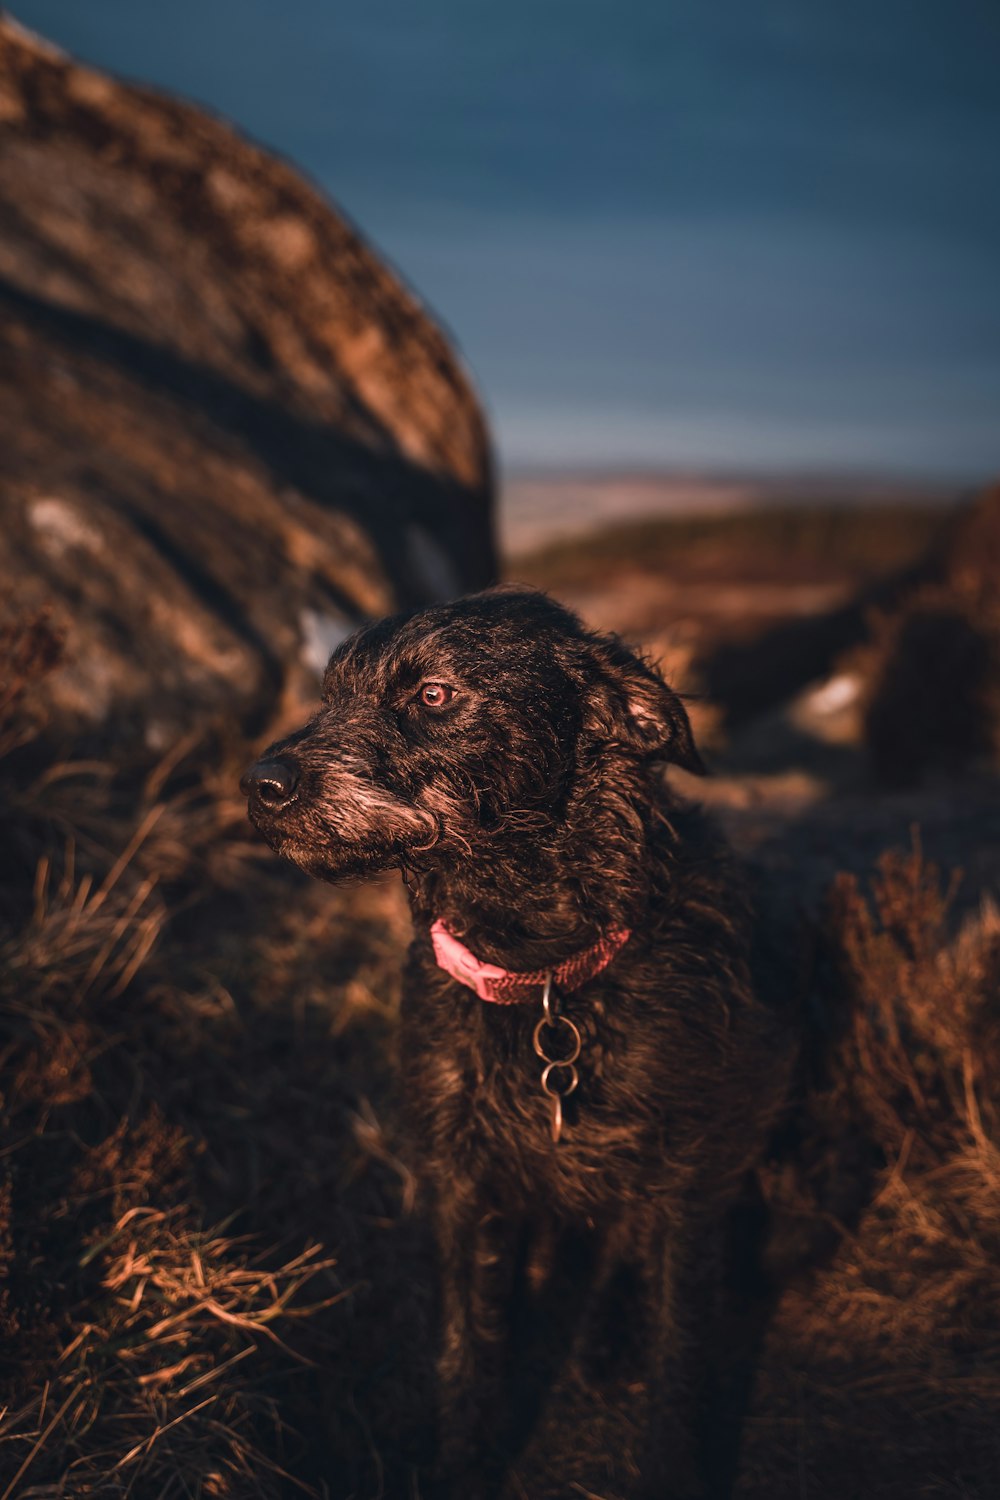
column 476, row 1095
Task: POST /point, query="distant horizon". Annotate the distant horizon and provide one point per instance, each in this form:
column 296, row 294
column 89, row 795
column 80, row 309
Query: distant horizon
column 781, row 478
column 537, row 510
column 667, row 237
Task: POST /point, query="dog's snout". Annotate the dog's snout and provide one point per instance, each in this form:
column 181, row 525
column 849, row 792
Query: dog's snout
column 270, row 781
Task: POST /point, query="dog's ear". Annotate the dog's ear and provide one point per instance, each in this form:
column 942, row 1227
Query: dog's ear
column 632, row 704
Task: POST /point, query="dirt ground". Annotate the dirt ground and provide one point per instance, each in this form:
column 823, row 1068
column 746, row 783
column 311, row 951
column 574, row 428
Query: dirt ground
column 215, row 1271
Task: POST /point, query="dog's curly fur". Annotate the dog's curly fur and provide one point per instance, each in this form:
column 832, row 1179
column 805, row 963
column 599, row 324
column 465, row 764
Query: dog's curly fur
column 527, row 805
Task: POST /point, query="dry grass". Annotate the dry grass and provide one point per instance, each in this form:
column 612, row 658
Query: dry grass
column 30, row 647
column 146, row 1397
column 882, row 1370
column 169, row 1111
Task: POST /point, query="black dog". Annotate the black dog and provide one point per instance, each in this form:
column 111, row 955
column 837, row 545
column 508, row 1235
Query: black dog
column 507, row 760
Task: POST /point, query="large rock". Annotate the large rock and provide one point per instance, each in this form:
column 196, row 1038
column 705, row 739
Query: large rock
column 930, row 671
column 226, row 430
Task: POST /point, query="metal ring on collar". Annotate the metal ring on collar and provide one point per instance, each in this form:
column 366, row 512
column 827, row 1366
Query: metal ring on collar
column 576, row 1039
column 559, row 1093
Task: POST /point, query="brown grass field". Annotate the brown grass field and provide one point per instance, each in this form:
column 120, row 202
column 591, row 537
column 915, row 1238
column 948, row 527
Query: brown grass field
column 214, row 1271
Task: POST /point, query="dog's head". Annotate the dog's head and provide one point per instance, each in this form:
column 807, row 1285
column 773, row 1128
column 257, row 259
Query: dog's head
column 459, row 723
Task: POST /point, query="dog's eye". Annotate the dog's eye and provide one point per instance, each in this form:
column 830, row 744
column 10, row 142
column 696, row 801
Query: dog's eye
column 435, row 695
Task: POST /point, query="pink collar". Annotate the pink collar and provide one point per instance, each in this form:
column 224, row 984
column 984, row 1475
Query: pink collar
column 505, row 987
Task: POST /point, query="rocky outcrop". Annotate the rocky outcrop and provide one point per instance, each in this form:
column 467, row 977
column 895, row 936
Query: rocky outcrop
column 930, row 670
column 227, row 431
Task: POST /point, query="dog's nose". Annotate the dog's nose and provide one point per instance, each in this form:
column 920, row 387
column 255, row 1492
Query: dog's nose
column 270, row 781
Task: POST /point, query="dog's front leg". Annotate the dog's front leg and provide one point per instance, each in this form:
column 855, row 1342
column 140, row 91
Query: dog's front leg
column 683, row 1280
column 478, row 1252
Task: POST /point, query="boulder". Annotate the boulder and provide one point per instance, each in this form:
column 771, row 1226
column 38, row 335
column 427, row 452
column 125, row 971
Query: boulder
column 227, row 431
column 931, row 666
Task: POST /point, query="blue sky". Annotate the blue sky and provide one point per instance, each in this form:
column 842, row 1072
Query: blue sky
column 730, row 236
